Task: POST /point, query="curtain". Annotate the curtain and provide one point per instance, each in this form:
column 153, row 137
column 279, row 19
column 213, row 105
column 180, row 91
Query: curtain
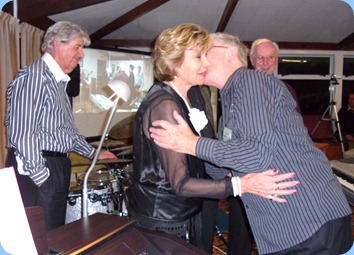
column 10, row 62
column 9, row 65
column 31, row 40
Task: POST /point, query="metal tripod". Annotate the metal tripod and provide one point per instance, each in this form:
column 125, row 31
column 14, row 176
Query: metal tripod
column 331, row 109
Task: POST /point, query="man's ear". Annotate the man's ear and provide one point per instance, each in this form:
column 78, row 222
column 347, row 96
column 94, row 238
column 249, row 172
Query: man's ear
column 56, row 43
column 232, row 53
column 252, row 60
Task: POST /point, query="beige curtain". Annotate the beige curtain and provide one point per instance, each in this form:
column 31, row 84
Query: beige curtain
column 9, row 64
column 31, row 40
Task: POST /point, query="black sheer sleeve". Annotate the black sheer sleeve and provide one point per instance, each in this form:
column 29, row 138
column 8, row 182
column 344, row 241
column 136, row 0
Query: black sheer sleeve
column 175, row 164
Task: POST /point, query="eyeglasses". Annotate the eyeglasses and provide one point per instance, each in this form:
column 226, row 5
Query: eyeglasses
column 260, row 59
column 220, row 46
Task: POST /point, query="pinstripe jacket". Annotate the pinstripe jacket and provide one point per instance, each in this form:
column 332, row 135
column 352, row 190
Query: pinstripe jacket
column 260, row 129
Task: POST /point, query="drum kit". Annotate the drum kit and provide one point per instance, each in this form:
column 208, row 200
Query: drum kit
column 106, row 186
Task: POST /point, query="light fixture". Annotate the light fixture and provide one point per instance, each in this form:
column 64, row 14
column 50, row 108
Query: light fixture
column 293, row 60
column 122, row 91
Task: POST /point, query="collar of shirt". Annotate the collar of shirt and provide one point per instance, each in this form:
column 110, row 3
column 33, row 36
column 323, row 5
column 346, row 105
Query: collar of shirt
column 233, row 79
column 55, row 68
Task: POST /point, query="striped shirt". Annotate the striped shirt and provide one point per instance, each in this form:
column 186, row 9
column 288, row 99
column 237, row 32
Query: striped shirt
column 266, row 132
column 39, row 117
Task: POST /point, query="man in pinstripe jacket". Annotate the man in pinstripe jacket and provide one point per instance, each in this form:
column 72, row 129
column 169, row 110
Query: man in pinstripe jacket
column 40, row 125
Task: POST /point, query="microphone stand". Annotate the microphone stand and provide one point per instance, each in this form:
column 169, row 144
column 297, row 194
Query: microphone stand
column 122, row 91
column 93, row 163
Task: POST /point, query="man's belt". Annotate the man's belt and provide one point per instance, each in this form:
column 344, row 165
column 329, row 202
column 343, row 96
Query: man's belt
column 54, row 154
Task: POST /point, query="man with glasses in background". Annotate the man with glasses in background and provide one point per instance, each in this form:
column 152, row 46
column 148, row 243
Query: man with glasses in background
column 264, row 56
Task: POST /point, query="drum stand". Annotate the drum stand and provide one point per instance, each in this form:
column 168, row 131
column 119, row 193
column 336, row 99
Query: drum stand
column 122, row 91
column 120, row 198
column 218, row 233
column 331, row 109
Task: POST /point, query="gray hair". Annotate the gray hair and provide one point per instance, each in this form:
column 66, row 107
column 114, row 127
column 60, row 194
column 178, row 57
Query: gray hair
column 63, row 31
column 263, row 40
column 231, row 40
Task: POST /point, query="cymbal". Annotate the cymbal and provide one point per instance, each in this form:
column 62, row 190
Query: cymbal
column 124, row 150
column 114, row 161
column 123, row 129
column 107, row 144
column 104, row 162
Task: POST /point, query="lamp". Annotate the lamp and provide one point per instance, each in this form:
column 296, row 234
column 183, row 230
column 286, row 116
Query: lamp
column 121, row 90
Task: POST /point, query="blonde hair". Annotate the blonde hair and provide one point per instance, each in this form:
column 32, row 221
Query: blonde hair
column 231, row 40
column 172, row 43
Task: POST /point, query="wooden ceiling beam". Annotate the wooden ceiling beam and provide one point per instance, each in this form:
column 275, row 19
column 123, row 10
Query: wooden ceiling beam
column 126, row 18
column 32, row 9
column 42, row 23
column 346, row 42
column 229, row 9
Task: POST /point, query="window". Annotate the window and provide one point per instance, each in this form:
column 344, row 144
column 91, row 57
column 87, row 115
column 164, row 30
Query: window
column 309, row 73
column 348, row 79
column 348, row 66
column 313, row 95
column 303, row 65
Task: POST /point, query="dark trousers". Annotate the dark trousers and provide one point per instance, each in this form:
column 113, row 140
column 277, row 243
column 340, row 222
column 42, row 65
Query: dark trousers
column 52, row 195
column 333, row 238
column 206, row 224
column 240, row 238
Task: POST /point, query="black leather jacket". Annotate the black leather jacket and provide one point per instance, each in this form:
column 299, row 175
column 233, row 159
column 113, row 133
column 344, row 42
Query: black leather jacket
column 151, row 194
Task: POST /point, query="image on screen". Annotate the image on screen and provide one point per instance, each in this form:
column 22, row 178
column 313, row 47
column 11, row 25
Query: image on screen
column 99, row 67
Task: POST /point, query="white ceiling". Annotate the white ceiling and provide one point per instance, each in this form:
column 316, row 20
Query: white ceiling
column 301, row 21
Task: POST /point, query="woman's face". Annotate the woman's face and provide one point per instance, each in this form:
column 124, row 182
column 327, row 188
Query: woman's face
column 193, row 68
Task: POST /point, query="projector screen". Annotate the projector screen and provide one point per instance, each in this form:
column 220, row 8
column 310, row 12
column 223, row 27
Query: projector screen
column 91, row 107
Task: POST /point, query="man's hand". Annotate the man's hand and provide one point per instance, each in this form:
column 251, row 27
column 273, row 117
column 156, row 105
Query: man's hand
column 269, row 184
column 349, row 138
column 178, row 137
column 106, row 155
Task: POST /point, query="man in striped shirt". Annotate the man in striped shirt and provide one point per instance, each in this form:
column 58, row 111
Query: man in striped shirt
column 40, row 125
column 260, row 129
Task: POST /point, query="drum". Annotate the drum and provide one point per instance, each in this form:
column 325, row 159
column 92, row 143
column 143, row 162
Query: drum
column 98, row 179
column 102, row 192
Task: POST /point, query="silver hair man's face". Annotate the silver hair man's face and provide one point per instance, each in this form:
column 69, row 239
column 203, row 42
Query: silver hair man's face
column 264, row 57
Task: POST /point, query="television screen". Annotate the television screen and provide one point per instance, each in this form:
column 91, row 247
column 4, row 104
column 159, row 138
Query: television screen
column 99, row 67
column 94, row 99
